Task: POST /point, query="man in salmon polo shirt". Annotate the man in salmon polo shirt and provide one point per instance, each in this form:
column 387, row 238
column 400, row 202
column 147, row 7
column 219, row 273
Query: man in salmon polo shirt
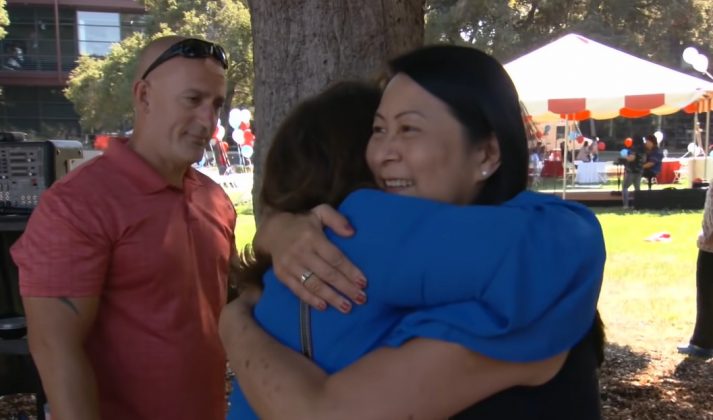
column 124, row 263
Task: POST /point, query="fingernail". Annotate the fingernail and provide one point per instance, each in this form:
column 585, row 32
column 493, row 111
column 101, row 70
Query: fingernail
column 360, row 298
column 345, row 306
column 322, row 306
column 349, row 227
column 361, row 282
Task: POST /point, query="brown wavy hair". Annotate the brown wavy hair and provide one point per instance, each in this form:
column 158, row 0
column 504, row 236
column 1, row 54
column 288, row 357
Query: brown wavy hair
column 317, row 156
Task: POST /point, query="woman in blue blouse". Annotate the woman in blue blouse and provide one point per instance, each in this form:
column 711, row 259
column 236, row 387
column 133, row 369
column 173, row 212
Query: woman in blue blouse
column 494, row 284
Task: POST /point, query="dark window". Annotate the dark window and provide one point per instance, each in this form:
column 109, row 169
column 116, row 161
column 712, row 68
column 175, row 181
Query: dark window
column 41, row 112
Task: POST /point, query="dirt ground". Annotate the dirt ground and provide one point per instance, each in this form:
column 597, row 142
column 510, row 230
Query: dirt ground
column 655, row 386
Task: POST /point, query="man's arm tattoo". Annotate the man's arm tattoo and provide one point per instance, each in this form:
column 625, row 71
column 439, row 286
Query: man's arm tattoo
column 69, row 303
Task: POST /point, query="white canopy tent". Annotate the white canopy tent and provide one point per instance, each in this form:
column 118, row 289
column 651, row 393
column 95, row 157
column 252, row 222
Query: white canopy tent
column 575, row 78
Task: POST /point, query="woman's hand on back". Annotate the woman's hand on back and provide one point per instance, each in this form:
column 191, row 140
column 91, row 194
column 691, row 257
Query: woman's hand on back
column 307, row 262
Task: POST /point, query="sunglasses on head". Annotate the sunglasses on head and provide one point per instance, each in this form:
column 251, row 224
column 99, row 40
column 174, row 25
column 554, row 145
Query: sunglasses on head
column 190, row 48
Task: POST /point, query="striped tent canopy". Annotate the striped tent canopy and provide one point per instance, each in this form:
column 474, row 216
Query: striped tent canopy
column 577, row 78
column 705, row 104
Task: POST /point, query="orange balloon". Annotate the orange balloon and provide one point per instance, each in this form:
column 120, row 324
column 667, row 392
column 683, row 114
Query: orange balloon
column 628, row 142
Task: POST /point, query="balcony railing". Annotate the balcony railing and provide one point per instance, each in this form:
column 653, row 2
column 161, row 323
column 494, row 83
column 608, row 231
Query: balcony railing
column 36, row 62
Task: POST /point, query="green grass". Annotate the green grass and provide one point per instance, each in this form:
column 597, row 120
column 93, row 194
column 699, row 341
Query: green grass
column 648, row 296
column 244, row 226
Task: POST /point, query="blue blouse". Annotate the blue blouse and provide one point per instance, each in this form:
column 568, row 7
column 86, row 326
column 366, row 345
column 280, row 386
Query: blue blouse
column 517, row 281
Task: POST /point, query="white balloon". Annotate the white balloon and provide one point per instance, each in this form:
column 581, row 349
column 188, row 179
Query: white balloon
column 689, row 54
column 245, row 116
column 247, row 151
column 700, row 63
column 239, row 136
column 221, row 132
column 659, row 136
column 234, row 117
column 691, row 148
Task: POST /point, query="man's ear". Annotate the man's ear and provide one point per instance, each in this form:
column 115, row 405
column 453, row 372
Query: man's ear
column 140, row 93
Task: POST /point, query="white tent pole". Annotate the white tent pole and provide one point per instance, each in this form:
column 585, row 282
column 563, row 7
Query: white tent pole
column 705, row 149
column 564, row 157
column 696, row 131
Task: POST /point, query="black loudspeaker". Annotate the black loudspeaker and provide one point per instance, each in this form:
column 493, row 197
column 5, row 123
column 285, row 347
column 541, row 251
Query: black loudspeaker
column 20, row 385
column 670, row 199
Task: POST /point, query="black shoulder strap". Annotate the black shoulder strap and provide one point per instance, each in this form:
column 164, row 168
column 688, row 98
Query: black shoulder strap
column 305, row 330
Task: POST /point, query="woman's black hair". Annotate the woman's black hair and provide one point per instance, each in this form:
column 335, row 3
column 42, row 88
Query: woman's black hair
column 483, row 98
column 653, row 140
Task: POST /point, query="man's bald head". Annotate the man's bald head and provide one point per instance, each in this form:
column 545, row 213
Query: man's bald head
column 152, row 51
column 176, row 108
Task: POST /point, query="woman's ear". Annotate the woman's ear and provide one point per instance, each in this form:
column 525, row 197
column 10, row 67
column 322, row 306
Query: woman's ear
column 490, row 160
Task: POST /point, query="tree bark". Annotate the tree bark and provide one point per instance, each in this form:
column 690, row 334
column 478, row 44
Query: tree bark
column 301, row 46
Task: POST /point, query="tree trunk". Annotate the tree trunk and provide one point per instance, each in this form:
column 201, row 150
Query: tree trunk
column 302, row 46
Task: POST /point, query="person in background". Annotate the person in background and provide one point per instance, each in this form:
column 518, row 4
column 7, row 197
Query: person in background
column 634, row 162
column 584, row 154
column 652, row 166
column 219, row 148
column 567, row 156
column 701, row 343
column 123, row 266
column 15, row 60
column 594, row 150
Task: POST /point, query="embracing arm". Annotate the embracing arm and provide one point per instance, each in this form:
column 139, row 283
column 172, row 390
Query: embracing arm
column 57, row 329
column 423, row 379
column 297, row 244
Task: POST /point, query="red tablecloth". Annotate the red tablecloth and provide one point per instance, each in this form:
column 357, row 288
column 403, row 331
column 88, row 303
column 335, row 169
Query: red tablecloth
column 552, row 168
column 667, row 174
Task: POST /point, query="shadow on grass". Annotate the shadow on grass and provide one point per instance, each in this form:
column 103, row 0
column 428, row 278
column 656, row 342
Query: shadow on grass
column 628, row 392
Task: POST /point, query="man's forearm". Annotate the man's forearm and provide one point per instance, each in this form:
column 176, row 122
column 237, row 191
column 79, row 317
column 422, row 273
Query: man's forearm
column 68, row 380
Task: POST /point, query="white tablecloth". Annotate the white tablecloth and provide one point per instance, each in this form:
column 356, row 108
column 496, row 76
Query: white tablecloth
column 591, row 172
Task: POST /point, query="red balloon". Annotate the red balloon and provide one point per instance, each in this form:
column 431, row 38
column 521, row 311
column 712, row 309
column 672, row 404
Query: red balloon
column 601, row 146
column 244, row 126
column 628, row 142
column 580, row 139
column 249, row 137
column 101, row 142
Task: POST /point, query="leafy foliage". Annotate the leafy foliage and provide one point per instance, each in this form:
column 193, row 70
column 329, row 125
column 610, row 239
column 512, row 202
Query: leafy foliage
column 4, row 18
column 100, row 88
column 658, row 30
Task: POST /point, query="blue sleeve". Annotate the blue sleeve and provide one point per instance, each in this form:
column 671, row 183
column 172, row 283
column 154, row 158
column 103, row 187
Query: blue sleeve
column 478, row 328
column 533, row 263
column 436, row 253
